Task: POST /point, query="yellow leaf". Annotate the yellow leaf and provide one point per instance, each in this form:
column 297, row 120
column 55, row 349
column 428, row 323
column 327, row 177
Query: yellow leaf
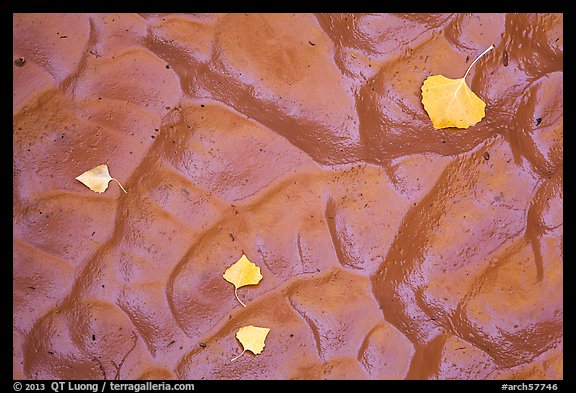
column 450, row 102
column 243, row 272
column 252, row 339
column 97, row 179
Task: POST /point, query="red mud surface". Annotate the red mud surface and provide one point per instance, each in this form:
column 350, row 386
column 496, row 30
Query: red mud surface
column 389, row 249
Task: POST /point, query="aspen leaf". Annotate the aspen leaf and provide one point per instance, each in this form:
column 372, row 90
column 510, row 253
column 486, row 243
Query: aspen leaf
column 243, row 272
column 252, row 339
column 97, row 179
column 450, row 102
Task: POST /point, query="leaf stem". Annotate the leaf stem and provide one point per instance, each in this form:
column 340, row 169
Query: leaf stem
column 120, row 185
column 236, row 294
column 481, row 54
column 241, row 353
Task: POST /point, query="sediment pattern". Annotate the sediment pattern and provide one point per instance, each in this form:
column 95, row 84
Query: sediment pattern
column 389, row 249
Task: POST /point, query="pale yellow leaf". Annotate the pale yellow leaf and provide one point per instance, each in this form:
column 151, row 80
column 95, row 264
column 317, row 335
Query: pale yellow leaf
column 242, row 273
column 450, row 102
column 97, row 179
column 252, row 339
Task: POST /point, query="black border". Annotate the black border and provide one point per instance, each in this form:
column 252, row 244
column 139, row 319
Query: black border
column 424, row 385
column 454, row 385
column 289, row 7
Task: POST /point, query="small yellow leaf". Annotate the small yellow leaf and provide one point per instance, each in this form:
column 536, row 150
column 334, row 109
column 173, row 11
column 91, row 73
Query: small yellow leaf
column 450, row 102
column 243, row 272
column 252, row 339
column 97, row 179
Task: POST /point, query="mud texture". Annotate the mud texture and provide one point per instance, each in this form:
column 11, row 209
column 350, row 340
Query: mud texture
column 389, row 249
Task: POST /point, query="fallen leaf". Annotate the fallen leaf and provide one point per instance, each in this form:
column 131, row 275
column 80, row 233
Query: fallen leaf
column 242, row 273
column 450, row 102
column 252, row 339
column 97, row 179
